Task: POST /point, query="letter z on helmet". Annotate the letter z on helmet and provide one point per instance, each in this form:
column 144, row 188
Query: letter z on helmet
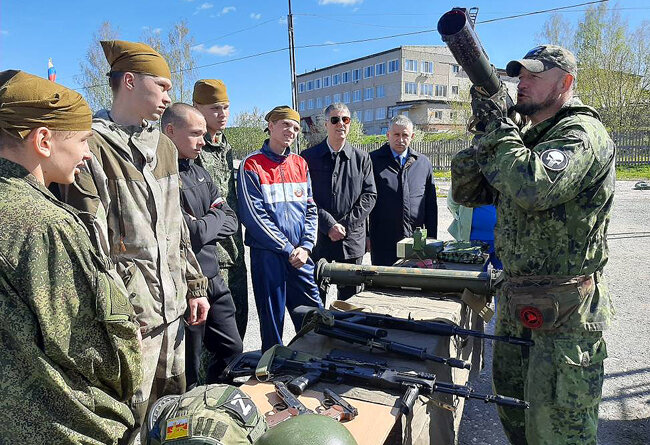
column 206, row 415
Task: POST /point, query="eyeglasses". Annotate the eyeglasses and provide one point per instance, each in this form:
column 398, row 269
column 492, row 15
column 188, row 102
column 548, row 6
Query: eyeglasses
column 336, row 119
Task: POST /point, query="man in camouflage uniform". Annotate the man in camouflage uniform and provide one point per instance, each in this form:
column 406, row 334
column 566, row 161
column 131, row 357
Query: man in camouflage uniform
column 553, row 185
column 69, row 351
column 211, row 99
column 130, row 189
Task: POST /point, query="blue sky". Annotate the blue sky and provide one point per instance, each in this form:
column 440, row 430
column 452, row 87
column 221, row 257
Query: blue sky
column 32, row 31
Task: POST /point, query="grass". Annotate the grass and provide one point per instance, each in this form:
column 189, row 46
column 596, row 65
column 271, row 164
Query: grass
column 633, row 173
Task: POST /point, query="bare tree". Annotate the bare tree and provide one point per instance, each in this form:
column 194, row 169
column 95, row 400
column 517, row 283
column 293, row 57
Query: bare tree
column 94, row 69
column 250, row 119
column 177, row 50
column 556, row 31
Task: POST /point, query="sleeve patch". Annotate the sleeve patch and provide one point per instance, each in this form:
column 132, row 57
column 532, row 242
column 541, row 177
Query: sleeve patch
column 555, row 160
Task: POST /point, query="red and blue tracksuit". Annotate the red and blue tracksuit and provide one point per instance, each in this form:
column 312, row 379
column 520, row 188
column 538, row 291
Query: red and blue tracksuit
column 279, row 213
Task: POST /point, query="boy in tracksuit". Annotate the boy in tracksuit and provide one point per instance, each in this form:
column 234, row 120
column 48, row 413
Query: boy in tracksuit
column 279, row 213
column 209, row 219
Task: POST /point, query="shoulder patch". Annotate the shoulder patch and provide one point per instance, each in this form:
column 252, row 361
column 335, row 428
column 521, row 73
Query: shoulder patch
column 555, row 160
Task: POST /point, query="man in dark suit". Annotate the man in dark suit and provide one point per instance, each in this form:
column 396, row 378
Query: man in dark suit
column 344, row 191
column 406, row 194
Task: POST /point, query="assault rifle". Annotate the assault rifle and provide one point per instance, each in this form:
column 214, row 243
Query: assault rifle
column 389, row 322
column 365, row 374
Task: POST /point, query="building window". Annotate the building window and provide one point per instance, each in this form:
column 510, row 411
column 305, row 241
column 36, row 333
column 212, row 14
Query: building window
column 356, row 75
column 328, row 101
column 310, row 104
column 426, row 89
column 368, row 93
column 368, row 116
column 411, row 65
column 379, row 91
column 454, row 89
column 380, row 69
column 393, row 66
column 441, row 90
column 310, row 85
column 346, row 97
column 317, row 84
column 437, row 114
column 368, row 72
column 380, row 113
column 319, row 102
column 346, row 76
column 410, row 88
column 337, row 97
column 455, row 68
column 301, row 106
column 453, row 115
column 356, row 96
column 301, row 87
column 336, row 79
column 427, row 67
column 358, row 115
column 326, row 81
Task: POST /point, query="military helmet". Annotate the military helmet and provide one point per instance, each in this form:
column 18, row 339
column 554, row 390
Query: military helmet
column 312, row 429
column 205, row 415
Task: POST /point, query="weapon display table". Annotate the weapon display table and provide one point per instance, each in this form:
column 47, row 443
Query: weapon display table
column 436, row 420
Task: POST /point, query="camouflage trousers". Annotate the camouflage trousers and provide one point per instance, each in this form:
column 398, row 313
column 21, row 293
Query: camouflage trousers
column 236, row 278
column 561, row 376
column 163, row 367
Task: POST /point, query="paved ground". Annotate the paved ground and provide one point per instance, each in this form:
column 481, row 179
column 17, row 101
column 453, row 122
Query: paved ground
column 625, row 411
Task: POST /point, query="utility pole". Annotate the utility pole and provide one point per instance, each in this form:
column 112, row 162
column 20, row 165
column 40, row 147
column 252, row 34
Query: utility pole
column 292, row 63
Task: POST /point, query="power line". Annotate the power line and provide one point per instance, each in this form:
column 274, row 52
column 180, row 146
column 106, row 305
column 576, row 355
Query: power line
column 349, row 42
column 560, row 8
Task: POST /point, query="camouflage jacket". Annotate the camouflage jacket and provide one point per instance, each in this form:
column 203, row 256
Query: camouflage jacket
column 130, row 188
column 217, row 159
column 69, row 354
column 553, row 187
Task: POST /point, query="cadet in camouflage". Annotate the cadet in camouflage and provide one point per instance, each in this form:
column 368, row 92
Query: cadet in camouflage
column 69, row 350
column 129, row 192
column 553, row 185
column 211, row 99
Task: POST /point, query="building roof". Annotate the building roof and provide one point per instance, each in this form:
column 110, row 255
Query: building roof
column 370, row 56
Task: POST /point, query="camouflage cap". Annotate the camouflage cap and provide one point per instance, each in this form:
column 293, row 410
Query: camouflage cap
column 542, row 58
column 209, row 414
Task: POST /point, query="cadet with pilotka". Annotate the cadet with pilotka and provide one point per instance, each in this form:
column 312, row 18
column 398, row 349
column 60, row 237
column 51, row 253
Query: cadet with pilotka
column 130, row 191
column 69, row 349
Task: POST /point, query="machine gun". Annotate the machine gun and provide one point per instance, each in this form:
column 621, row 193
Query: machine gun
column 366, row 374
column 382, row 322
column 456, row 28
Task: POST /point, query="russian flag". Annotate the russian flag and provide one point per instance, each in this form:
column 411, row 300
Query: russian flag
column 51, row 72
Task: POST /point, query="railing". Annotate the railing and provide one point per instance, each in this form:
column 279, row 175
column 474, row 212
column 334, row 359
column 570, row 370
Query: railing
column 632, row 148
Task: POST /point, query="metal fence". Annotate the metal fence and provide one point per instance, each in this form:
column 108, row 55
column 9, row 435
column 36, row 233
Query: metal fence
column 632, row 148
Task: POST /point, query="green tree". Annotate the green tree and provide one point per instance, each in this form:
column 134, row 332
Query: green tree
column 462, row 109
column 94, row 69
column 355, row 136
column 613, row 64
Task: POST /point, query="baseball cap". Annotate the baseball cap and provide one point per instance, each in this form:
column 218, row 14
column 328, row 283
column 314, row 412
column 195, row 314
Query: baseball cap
column 542, row 58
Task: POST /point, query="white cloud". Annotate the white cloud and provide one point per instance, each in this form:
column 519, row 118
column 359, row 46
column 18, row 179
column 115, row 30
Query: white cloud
column 339, row 2
column 153, row 31
column 283, row 20
column 256, row 16
column 4, row 32
column 334, row 48
column 217, row 50
column 228, row 9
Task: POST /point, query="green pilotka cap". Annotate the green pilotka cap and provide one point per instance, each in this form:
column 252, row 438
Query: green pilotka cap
column 542, row 58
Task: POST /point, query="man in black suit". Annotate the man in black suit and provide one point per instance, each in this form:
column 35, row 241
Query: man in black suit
column 344, row 190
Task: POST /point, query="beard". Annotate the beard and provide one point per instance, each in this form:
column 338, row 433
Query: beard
column 528, row 109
